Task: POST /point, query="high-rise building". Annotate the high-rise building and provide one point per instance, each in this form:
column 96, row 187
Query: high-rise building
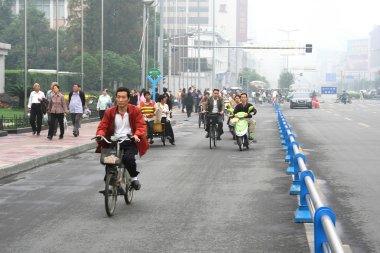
column 48, row 7
column 374, row 51
column 181, row 16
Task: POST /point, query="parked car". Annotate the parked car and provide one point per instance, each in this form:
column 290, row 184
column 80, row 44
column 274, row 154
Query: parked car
column 301, row 100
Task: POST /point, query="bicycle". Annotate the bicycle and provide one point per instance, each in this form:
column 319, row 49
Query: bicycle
column 117, row 179
column 201, row 119
column 212, row 119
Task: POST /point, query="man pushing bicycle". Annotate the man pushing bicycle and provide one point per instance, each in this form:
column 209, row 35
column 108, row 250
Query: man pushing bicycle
column 121, row 121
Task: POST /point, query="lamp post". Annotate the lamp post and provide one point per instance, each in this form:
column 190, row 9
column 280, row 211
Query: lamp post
column 102, row 49
column 146, row 3
column 81, row 63
column 287, row 56
column 25, row 54
column 56, row 27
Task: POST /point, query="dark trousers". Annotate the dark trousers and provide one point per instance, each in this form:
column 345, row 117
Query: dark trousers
column 36, row 113
column 149, row 126
column 129, row 160
column 54, row 118
column 189, row 110
column 55, row 123
column 219, row 123
column 101, row 114
column 168, row 130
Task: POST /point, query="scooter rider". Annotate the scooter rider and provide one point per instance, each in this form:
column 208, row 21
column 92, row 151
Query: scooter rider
column 244, row 107
column 215, row 104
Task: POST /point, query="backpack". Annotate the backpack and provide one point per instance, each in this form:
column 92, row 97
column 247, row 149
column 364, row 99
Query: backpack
column 44, row 105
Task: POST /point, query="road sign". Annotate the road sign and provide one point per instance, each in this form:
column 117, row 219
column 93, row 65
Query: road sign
column 154, row 72
column 328, row 90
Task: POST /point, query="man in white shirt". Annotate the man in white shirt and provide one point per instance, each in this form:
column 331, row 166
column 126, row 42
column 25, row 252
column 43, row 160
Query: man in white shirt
column 34, row 107
column 104, row 101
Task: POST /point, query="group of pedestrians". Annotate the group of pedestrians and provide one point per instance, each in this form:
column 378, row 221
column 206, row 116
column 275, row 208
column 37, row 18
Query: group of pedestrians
column 55, row 105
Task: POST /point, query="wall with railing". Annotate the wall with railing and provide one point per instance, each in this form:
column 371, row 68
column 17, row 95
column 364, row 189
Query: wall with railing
column 310, row 206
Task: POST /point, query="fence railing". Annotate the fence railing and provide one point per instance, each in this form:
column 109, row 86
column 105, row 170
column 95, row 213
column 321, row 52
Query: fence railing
column 17, row 122
column 310, row 205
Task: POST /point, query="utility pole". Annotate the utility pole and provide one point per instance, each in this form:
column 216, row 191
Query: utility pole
column 213, row 44
column 25, row 55
column 57, row 35
column 102, row 50
column 82, row 22
column 287, row 56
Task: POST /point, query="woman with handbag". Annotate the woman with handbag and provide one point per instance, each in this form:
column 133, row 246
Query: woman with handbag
column 163, row 116
column 57, row 109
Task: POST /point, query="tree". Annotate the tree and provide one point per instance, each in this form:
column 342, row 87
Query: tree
column 6, row 15
column 41, row 45
column 251, row 75
column 91, row 70
column 286, row 79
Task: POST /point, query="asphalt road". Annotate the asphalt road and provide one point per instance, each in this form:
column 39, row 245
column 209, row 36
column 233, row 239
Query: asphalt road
column 193, row 199
column 341, row 143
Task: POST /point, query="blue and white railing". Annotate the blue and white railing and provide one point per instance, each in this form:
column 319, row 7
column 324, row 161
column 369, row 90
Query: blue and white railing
column 310, row 206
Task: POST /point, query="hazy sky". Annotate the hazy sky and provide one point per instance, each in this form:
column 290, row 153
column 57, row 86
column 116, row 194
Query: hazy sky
column 324, row 23
column 327, row 24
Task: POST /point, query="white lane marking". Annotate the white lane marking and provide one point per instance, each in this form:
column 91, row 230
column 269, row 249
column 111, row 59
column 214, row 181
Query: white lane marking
column 348, row 119
column 328, row 112
column 364, row 125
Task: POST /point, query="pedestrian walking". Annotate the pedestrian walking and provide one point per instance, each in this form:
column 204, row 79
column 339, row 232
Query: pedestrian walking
column 77, row 101
column 104, row 101
column 188, row 102
column 49, row 95
column 183, row 99
column 133, row 100
column 57, row 110
column 34, row 107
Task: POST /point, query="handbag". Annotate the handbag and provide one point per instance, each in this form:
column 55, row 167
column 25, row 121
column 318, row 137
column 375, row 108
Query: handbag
column 65, row 123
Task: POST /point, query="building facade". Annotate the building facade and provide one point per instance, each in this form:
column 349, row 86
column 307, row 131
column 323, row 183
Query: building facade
column 49, row 8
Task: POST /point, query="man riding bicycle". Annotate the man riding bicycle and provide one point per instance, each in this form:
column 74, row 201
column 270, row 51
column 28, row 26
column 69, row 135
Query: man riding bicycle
column 120, row 121
column 244, row 107
column 215, row 105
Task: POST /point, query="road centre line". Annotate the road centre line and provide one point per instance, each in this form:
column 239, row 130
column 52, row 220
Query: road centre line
column 364, row 125
column 348, row 119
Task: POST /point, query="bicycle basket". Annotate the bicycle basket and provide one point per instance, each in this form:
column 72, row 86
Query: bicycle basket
column 108, row 156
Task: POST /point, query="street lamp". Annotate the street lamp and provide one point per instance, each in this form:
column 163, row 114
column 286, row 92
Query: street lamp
column 287, row 56
column 147, row 3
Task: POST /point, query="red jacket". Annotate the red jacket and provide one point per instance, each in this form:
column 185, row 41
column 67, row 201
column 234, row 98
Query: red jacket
column 136, row 121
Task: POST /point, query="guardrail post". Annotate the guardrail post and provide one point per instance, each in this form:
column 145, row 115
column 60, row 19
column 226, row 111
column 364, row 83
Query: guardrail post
column 290, row 154
column 319, row 233
column 295, row 188
column 276, row 106
column 302, row 214
column 290, row 169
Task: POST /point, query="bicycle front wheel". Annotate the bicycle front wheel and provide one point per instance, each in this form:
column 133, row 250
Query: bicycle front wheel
column 110, row 195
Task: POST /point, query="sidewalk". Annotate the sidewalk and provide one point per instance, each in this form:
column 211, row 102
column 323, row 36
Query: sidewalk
column 20, row 152
column 24, row 151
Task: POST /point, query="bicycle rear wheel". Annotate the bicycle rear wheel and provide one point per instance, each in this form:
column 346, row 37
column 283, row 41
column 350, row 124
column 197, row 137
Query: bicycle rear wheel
column 110, row 195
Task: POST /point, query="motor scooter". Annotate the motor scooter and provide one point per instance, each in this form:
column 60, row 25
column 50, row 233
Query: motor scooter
column 241, row 129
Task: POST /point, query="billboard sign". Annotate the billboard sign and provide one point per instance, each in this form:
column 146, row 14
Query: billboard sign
column 328, row 90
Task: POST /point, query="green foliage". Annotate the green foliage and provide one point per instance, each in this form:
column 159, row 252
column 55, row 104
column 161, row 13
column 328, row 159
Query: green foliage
column 286, row 79
column 41, row 47
column 251, row 75
column 91, row 69
column 6, row 15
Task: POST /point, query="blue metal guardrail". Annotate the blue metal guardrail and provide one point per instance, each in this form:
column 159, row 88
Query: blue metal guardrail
column 310, row 206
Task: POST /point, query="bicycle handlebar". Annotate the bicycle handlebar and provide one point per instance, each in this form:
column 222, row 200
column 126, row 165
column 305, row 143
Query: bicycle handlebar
column 100, row 137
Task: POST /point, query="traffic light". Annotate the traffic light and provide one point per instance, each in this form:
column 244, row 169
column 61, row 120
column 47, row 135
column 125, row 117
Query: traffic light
column 309, row 48
column 163, row 79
